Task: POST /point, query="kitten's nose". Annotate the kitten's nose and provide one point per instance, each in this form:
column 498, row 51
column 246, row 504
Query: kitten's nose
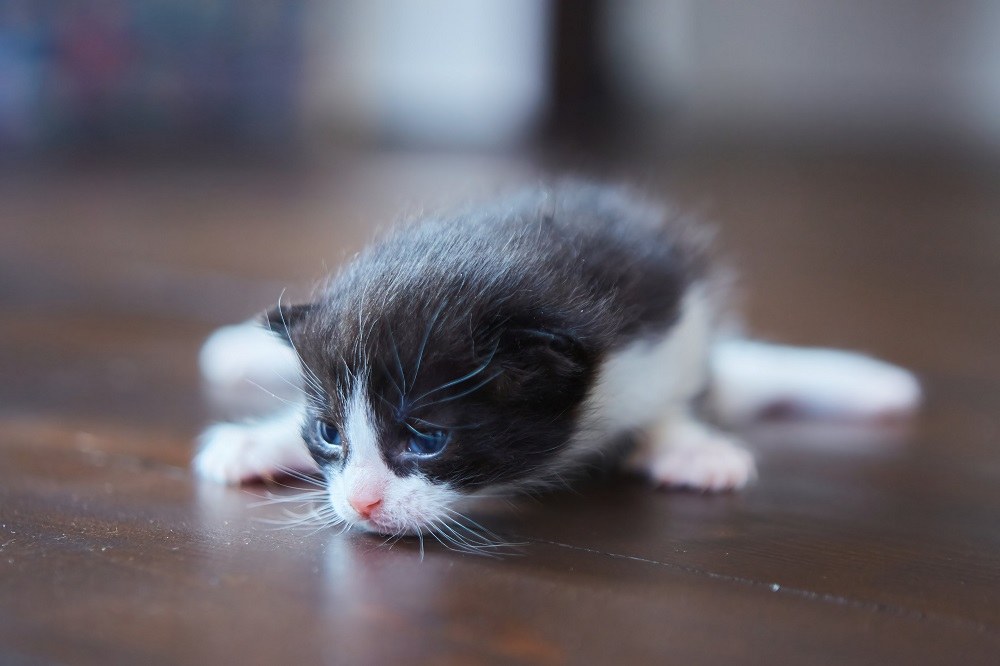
column 365, row 504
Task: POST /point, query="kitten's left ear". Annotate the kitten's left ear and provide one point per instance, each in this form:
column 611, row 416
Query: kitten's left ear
column 539, row 362
column 284, row 318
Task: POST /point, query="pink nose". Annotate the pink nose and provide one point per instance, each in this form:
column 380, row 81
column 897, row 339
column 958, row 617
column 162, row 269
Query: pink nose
column 365, row 505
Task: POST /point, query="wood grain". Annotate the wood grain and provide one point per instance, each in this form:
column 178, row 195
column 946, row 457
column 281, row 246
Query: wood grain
column 860, row 544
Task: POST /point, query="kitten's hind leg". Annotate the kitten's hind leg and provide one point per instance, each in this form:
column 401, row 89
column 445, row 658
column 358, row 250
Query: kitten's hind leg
column 235, row 453
column 682, row 452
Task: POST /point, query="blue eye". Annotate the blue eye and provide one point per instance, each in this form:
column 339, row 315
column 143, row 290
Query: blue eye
column 328, row 435
column 427, row 444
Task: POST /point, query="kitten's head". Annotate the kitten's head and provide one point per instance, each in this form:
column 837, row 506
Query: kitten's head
column 414, row 408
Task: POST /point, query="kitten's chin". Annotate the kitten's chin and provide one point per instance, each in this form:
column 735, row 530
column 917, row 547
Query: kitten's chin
column 373, row 527
column 390, row 528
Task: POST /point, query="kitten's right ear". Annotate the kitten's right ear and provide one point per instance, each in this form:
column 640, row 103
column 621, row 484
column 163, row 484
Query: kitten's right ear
column 284, row 318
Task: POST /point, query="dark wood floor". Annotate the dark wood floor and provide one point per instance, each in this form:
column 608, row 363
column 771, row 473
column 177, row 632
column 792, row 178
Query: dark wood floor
column 862, row 545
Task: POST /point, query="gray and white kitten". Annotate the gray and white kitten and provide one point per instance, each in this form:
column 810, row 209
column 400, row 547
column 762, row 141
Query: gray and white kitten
column 502, row 347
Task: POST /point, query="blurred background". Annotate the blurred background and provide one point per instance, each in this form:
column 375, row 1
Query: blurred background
column 189, row 159
column 201, row 78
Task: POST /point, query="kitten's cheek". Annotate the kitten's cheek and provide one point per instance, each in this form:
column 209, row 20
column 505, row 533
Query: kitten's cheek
column 338, row 500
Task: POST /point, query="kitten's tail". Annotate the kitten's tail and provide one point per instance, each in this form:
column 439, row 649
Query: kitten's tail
column 752, row 379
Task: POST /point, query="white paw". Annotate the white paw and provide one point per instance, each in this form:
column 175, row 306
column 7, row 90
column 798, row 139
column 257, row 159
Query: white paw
column 235, row 453
column 703, row 460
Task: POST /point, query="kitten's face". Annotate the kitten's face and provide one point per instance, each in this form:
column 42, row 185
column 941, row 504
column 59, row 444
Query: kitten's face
column 383, row 469
column 405, row 423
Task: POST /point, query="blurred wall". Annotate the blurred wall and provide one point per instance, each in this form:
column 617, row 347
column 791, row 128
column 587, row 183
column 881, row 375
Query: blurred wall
column 810, row 70
column 206, row 76
column 452, row 72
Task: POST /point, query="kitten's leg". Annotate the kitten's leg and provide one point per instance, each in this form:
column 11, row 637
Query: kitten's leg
column 234, row 356
column 749, row 378
column 682, row 452
column 236, row 453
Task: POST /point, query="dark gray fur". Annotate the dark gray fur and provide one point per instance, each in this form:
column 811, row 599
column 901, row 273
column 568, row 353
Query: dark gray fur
column 530, row 293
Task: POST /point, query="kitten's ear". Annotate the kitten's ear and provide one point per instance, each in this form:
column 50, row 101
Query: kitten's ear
column 284, row 318
column 541, row 362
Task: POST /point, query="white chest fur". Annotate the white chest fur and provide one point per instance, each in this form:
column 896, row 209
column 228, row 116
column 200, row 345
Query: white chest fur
column 637, row 385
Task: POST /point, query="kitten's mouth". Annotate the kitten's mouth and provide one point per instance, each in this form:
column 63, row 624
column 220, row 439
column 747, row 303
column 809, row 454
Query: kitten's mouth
column 373, row 526
column 460, row 534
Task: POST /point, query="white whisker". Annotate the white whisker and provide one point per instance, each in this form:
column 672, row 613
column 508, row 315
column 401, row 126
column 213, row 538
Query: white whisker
column 273, row 395
column 461, row 379
column 462, row 394
column 308, row 374
column 423, row 344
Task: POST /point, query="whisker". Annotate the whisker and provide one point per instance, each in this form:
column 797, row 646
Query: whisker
column 447, row 541
column 329, row 519
column 294, row 386
column 387, row 402
column 423, row 344
column 473, row 547
column 484, row 541
column 305, row 519
column 412, row 429
column 275, row 482
column 273, row 395
column 461, row 544
column 480, row 540
column 461, row 379
column 466, row 426
column 458, row 537
column 462, row 394
column 297, row 499
column 392, row 379
column 301, row 476
column 393, row 538
column 308, row 374
column 434, row 534
column 317, row 491
column 486, row 531
column 399, row 363
column 292, row 518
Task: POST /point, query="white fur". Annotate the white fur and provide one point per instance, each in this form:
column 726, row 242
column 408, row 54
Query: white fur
column 751, row 376
column 247, row 352
column 635, row 385
column 647, row 389
column 360, row 431
column 235, row 453
column 409, row 503
column 689, row 454
column 366, row 477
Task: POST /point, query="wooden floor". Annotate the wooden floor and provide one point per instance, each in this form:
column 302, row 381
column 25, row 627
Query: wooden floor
column 858, row 544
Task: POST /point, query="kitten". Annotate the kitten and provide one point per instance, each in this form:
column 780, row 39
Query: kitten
column 502, row 347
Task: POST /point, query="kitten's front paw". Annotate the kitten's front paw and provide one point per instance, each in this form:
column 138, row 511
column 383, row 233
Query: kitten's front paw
column 235, row 355
column 235, row 453
column 702, row 459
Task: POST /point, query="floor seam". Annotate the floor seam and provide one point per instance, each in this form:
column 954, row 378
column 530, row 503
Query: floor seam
column 801, row 593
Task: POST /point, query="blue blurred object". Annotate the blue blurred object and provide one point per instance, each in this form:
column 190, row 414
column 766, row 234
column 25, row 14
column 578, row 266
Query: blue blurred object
column 139, row 74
